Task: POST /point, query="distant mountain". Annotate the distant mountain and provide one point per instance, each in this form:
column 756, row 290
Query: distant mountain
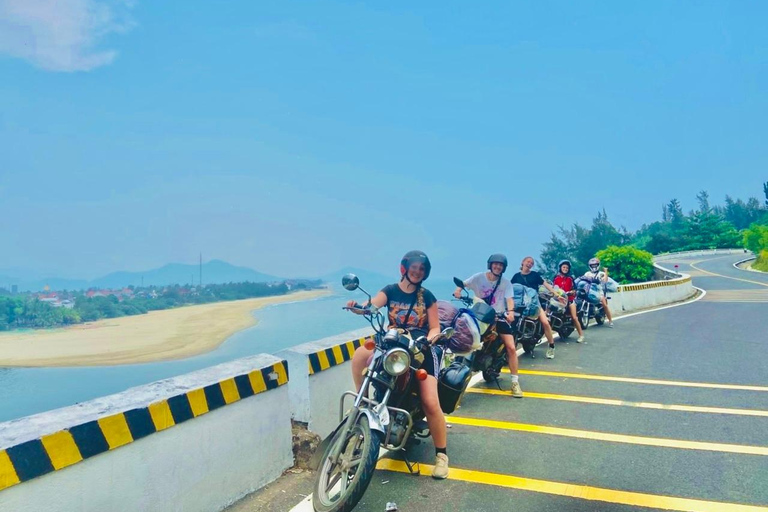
column 214, row 271
column 368, row 279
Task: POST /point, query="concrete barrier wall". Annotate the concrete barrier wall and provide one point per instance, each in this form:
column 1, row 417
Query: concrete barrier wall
column 319, row 376
column 196, row 442
column 689, row 254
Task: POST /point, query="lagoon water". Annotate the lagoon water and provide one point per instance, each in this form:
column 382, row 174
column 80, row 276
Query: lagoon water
column 25, row 391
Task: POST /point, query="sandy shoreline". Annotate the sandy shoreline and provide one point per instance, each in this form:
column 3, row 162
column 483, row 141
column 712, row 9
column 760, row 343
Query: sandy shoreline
column 157, row 336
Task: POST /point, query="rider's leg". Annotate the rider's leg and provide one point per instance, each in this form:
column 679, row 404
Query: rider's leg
column 509, row 345
column 547, row 328
column 431, row 405
column 607, row 309
column 572, row 310
column 360, row 361
column 436, row 421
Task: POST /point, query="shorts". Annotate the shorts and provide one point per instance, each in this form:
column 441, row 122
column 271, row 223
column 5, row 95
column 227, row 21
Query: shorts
column 503, row 328
column 433, row 361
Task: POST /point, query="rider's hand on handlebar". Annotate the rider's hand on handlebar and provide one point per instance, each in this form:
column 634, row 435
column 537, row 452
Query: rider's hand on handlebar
column 510, row 316
column 457, row 293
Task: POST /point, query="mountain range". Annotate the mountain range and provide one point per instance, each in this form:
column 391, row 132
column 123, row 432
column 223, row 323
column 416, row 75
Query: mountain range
column 214, row 271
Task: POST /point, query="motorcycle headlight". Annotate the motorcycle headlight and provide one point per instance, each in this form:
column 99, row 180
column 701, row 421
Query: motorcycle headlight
column 396, row 361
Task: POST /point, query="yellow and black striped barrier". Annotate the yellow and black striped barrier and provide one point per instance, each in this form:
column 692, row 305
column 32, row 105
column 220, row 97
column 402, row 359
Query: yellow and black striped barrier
column 56, row 451
column 653, row 284
column 324, row 359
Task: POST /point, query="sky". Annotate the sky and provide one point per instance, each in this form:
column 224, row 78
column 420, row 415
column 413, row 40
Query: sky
column 296, row 138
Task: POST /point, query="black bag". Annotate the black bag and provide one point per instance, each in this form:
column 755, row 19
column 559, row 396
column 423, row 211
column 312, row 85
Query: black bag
column 451, row 385
column 484, row 313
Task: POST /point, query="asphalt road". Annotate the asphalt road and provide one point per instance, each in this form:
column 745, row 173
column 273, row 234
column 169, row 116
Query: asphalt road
column 686, row 428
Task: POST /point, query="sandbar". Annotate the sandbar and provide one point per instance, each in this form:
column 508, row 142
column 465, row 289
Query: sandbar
column 156, row 336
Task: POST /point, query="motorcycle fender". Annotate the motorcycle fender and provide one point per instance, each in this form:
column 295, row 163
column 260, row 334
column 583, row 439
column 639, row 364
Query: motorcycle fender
column 374, row 421
column 316, row 459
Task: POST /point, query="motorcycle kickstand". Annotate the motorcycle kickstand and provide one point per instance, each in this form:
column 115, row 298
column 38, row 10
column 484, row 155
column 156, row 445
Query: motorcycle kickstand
column 410, row 465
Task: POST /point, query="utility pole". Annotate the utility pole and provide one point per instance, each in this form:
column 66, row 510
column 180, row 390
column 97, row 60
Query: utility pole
column 200, row 281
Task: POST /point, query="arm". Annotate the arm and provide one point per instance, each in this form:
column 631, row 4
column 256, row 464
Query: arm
column 379, row 300
column 434, row 322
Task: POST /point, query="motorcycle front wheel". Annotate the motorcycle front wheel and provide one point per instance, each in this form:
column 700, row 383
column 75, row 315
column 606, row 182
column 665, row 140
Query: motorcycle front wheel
column 584, row 319
column 341, row 484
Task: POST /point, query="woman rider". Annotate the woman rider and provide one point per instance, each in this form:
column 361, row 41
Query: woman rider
column 565, row 281
column 532, row 279
column 414, row 308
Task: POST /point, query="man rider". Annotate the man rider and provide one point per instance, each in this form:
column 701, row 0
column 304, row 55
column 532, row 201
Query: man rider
column 497, row 293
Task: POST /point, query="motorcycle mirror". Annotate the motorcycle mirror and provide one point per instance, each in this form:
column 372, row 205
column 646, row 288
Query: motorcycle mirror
column 350, row 282
column 448, row 332
column 458, row 282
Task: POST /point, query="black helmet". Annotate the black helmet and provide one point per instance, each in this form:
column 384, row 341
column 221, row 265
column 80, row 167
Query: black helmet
column 594, row 264
column 498, row 258
column 564, row 262
column 412, row 257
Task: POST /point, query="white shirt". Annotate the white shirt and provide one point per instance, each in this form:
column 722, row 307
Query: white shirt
column 482, row 286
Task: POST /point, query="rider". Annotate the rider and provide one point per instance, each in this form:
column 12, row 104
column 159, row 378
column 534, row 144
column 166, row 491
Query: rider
column 497, row 293
column 532, row 279
column 414, row 308
column 565, row 281
column 596, row 275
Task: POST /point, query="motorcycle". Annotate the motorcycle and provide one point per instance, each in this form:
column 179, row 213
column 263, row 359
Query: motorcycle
column 588, row 304
column 557, row 312
column 491, row 356
column 385, row 412
column 527, row 328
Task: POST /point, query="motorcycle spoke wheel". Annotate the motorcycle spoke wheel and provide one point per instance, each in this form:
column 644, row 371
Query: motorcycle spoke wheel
column 340, row 484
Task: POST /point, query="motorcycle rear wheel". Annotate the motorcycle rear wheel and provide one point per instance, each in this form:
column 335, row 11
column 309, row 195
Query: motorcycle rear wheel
column 565, row 332
column 339, row 486
column 599, row 319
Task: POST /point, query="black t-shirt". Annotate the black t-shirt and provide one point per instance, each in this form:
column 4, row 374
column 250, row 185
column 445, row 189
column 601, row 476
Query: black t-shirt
column 532, row 280
column 398, row 304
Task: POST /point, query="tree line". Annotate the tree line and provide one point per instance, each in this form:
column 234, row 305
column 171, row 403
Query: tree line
column 27, row 311
column 628, row 255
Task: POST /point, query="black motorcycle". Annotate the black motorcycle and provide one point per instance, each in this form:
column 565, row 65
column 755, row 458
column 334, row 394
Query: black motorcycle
column 588, row 303
column 491, row 357
column 558, row 315
column 385, row 412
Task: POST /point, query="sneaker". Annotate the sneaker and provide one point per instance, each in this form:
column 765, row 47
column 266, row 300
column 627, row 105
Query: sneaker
column 610, row 324
column 551, row 353
column 516, row 390
column 440, row 471
column 580, row 339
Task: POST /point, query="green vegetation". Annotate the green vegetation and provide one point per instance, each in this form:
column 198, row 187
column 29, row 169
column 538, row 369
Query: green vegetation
column 627, row 264
column 28, row 311
column 736, row 224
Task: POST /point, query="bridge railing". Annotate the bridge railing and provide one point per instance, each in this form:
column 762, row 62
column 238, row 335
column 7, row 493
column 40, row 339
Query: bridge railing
column 199, row 442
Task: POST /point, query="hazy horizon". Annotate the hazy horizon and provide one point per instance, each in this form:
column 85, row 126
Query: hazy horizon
column 298, row 139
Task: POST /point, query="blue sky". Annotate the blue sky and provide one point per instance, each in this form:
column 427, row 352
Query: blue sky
column 299, row 137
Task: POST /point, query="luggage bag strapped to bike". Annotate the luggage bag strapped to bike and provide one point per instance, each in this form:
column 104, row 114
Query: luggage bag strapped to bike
column 526, row 300
column 466, row 336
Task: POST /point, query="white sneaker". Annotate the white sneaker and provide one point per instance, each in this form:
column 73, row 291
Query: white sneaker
column 580, row 339
column 440, row 470
column 610, row 324
column 551, row 353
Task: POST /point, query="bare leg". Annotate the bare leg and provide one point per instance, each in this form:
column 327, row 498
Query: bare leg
column 547, row 328
column 359, row 362
column 607, row 309
column 431, row 404
column 509, row 344
column 572, row 310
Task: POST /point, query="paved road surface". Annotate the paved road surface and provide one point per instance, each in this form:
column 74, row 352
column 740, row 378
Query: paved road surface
column 617, row 424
